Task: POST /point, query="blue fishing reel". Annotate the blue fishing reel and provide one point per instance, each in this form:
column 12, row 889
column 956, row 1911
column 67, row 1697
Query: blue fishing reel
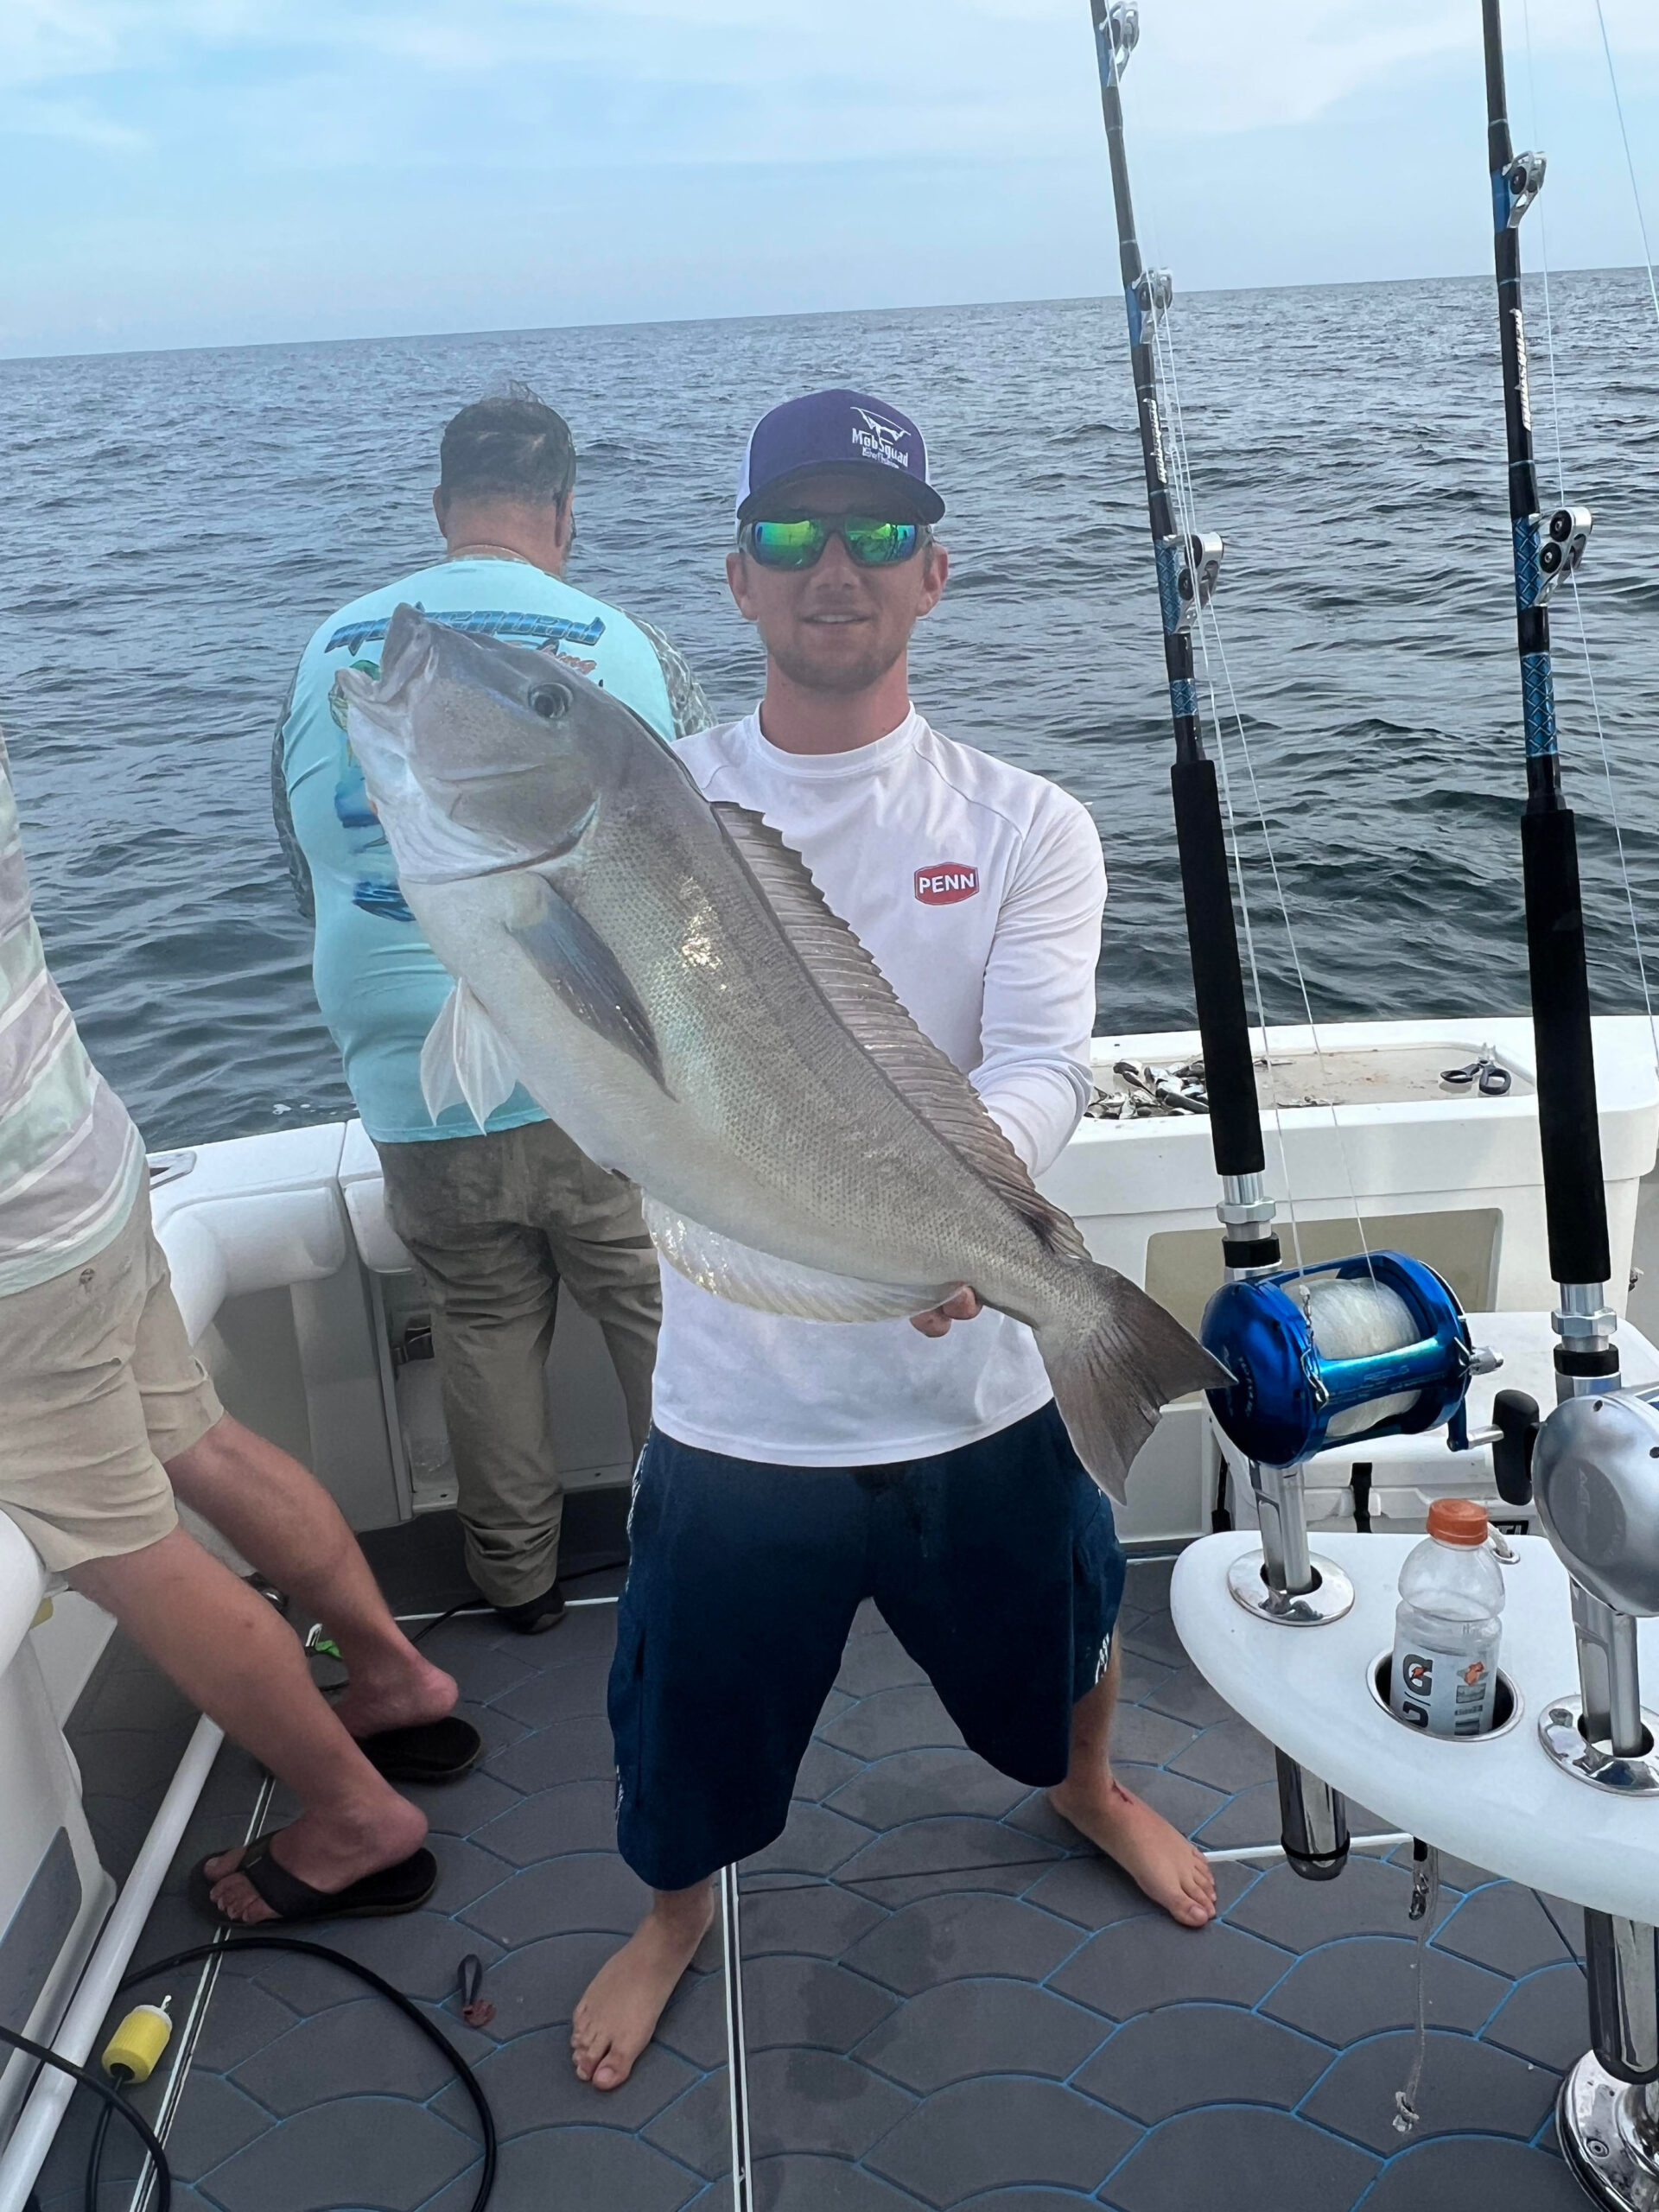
column 1396, row 1361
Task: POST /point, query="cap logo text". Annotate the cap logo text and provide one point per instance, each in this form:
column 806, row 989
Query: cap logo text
column 880, row 440
column 946, row 883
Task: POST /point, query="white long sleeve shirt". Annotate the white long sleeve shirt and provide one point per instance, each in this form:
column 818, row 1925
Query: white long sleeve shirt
column 977, row 889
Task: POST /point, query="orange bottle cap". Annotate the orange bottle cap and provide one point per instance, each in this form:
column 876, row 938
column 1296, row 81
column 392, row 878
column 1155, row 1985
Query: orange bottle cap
column 1458, row 1521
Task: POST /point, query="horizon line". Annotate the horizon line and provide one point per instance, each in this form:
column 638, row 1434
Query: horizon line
column 805, row 314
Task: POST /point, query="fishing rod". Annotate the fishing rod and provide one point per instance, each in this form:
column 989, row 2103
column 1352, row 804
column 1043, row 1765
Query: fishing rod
column 1349, row 1349
column 1346, row 1349
column 1545, row 553
column 1187, row 567
column 1188, row 563
column 1595, row 1462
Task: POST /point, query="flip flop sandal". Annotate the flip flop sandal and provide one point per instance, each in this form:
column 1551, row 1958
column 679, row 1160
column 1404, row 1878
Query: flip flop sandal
column 435, row 1751
column 402, row 1888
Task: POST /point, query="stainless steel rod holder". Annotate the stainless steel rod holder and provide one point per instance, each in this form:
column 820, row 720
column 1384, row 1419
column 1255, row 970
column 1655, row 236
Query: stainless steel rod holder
column 1281, row 1514
column 1314, row 1823
column 1607, row 2116
column 1622, row 1968
column 1609, row 1674
column 1286, row 1584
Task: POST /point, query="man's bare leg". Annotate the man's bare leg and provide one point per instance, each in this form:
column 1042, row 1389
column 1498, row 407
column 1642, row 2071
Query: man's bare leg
column 621, row 2006
column 236, row 1659
column 1172, row 1871
column 279, row 1516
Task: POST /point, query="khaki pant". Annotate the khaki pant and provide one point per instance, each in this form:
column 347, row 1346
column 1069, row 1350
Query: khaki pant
column 99, row 1389
column 496, row 1223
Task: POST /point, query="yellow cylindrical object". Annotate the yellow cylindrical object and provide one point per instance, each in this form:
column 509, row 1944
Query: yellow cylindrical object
column 138, row 2042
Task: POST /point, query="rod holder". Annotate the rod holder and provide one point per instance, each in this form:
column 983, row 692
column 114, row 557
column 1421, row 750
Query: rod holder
column 1286, row 1584
column 1313, row 1823
column 1609, row 1679
column 1622, row 1968
column 1281, row 1510
column 1607, row 2116
column 1596, row 1478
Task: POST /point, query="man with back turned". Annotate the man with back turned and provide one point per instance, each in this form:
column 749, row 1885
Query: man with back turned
column 496, row 1217
column 795, row 1467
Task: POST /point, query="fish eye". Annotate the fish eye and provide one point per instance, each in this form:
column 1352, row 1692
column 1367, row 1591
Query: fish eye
column 550, row 701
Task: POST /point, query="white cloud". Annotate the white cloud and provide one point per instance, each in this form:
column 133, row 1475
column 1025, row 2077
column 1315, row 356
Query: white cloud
column 782, row 80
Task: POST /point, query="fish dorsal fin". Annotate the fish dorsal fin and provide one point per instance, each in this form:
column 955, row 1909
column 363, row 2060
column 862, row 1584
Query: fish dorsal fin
column 869, row 1009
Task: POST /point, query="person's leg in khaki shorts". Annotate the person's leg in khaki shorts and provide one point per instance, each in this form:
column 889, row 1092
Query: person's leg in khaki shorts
column 102, row 1389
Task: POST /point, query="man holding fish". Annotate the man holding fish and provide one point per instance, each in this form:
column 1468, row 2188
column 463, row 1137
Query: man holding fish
column 835, row 1128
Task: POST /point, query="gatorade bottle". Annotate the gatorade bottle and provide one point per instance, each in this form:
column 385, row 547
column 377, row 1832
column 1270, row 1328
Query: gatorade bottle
column 1447, row 1628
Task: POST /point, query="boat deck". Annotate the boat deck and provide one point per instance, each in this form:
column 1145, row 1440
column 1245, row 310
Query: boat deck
column 949, row 2000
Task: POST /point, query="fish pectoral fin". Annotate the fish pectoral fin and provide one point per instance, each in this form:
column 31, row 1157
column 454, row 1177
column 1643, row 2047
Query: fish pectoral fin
column 575, row 961
column 466, row 1061
column 749, row 1277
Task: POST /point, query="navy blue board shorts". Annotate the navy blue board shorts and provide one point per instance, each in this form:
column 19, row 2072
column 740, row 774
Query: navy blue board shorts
column 996, row 1565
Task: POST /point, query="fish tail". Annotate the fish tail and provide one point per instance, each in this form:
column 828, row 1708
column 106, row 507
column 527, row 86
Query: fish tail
column 1116, row 1359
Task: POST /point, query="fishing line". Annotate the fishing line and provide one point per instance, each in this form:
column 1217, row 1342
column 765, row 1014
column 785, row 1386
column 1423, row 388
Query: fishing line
column 1185, row 495
column 1186, row 504
column 1585, row 653
column 1290, row 933
column 1260, row 804
column 1630, row 161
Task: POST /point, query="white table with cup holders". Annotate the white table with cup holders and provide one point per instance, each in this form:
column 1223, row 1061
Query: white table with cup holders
column 1499, row 1800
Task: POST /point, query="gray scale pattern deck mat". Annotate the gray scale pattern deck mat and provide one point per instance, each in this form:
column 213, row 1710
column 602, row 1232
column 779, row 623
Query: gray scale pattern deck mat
column 951, row 2001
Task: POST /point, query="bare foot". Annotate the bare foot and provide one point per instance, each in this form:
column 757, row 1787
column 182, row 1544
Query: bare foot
column 398, row 1696
column 329, row 1854
column 621, row 2006
column 1173, row 1872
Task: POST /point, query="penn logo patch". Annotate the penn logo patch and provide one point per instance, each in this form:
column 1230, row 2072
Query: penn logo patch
column 946, row 883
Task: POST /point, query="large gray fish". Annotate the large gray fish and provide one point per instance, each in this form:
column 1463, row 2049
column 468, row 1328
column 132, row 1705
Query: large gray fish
column 665, row 979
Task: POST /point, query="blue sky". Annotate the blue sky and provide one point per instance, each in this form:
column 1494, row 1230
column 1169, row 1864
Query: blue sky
column 212, row 172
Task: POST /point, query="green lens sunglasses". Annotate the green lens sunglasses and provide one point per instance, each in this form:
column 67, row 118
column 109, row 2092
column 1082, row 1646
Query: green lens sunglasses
column 799, row 543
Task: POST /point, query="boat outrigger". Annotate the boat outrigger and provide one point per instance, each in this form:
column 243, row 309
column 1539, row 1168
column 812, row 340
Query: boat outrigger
column 1433, row 1977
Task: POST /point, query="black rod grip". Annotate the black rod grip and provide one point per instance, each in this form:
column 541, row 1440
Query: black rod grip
column 1218, row 980
column 1575, row 1201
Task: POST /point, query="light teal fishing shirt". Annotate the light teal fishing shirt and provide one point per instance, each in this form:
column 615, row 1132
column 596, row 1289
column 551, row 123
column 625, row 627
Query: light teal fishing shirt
column 378, row 984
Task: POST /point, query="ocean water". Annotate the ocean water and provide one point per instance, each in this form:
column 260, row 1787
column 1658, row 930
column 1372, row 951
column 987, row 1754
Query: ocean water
column 178, row 524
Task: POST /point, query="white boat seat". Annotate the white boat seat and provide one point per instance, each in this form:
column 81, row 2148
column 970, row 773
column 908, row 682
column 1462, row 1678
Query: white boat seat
column 363, row 1187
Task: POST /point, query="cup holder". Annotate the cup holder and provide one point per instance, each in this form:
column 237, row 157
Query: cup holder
column 1506, row 1706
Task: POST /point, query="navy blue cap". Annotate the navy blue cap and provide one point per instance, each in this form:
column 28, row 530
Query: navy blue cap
column 839, row 430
